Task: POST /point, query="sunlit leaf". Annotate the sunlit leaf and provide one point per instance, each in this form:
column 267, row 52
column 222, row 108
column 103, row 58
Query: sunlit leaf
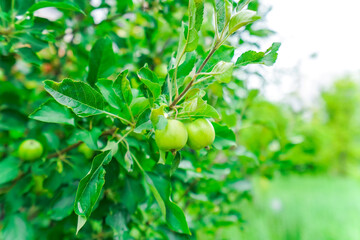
column 134, row 193
column 161, row 188
column 102, row 60
column 9, row 169
column 29, row 55
column 242, row 19
column 224, row 137
column 53, row 112
column 267, row 58
column 122, row 87
column 79, row 96
column 223, row 10
column 64, row 6
column 150, row 80
column 197, row 107
column 90, row 187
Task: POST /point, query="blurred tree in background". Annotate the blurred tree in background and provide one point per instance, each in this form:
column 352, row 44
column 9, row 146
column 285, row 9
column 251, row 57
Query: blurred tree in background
column 101, row 174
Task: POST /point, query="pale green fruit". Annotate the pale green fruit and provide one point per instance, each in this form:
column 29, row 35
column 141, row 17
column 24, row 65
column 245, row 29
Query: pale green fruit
column 86, row 151
column 173, row 137
column 201, row 134
column 30, row 150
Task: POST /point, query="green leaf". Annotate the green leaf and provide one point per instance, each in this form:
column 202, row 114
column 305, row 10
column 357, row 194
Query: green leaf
column 90, row 187
column 224, row 137
column 53, row 112
column 242, row 19
column 117, row 221
column 80, row 223
column 182, row 42
column 133, row 194
column 20, row 7
column 143, row 122
column 242, row 4
column 161, row 188
column 224, row 53
column 222, row 71
column 184, row 69
column 63, row 205
column 36, row 43
column 125, row 158
column 106, row 88
column 197, row 107
column 63, row 6
column 79, row 96
column 267, row 58
column 29, row 55
column 122, row 87
column 118, row 94
column 196, row 13
column 111, row 145
column 252, row 95
column 89, row 137
column 247, row 156
column 139, row 105
column 156, row 114
column 11, row 119
column 192, row 40
column 175, row 162
column 187, row 66
column 62, row 208
column 161, row 123
column 9, row 169
column 223, row 9
column 150, row 80
column 102, row 60
column 122, row 5
column 16, row 227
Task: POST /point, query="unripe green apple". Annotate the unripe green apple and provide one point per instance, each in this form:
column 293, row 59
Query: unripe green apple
column 201, row 133
column 30, row 150
column 38, row 184
column 173, row 137
column 86, row 151
column 161, row 70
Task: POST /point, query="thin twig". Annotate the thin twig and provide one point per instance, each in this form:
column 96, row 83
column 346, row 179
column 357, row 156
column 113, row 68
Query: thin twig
column 6, row 189
column 75, row 145
column 176, row 100
column 189, row 188
column 65, row 150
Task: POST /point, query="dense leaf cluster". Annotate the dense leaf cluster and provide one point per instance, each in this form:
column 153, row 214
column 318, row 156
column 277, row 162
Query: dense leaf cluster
column 112, row 84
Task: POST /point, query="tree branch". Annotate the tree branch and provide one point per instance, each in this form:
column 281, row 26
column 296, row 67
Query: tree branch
column 189, row 188
column 182, row 94
column 75, row 145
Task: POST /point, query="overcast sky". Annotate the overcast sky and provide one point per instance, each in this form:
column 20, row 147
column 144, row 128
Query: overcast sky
column 321, row 38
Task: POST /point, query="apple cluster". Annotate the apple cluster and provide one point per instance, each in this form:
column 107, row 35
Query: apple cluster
column 196, row 134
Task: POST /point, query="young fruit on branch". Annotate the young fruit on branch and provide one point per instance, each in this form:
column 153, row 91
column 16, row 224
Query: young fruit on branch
column 86, row 151
column 30, row 150
column 201, row 133
column 173, row 137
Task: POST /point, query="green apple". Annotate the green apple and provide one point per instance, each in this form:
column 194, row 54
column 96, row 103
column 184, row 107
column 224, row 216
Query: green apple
column 30, row 150
column 201, row 133
column 86, row 151
column 173, row 137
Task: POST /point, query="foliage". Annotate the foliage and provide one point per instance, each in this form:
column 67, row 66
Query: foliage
column 333, row 126
column 298, row 208
column 109, row 89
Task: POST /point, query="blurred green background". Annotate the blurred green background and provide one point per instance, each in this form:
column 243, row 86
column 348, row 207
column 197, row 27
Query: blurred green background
column 289, row 169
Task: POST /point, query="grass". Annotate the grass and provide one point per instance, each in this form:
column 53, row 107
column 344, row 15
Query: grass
column 300, row 208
